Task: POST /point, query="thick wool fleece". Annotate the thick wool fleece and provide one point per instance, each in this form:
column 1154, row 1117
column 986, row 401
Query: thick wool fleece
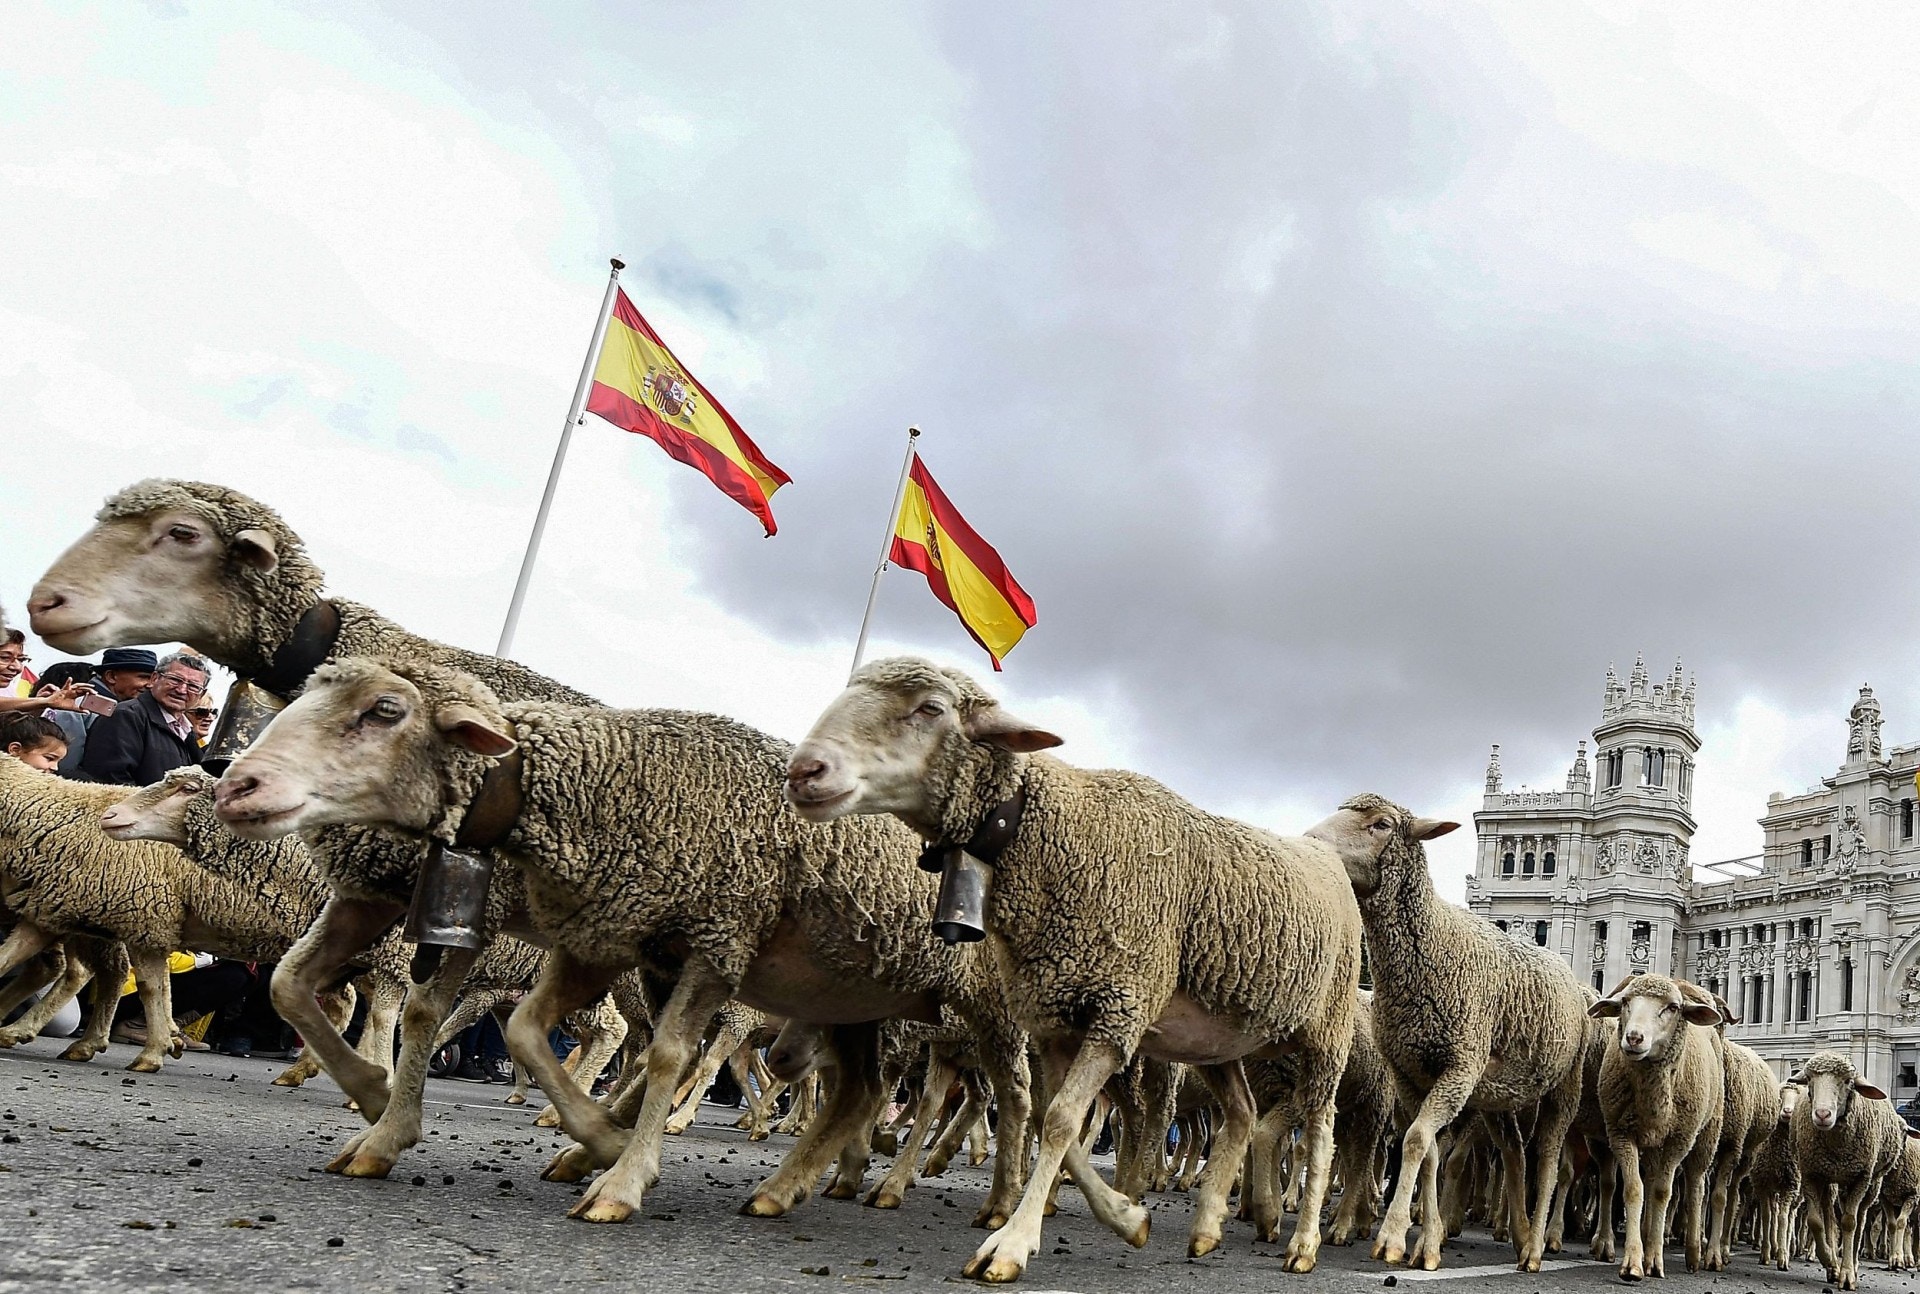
column 1752, row 1102
column 648, row 835
column 1774, row 1171
column 1449, row 988
column 263, row 608
column 1671, row 1101
column 1864, row 1141
column 1117, row 893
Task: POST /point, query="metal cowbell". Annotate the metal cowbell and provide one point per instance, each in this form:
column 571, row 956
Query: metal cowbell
column 449, row 908
column 248, row 710
column 960, row 911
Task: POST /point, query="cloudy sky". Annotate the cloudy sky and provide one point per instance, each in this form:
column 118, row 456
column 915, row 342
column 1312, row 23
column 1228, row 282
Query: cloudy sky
column 1348, row 386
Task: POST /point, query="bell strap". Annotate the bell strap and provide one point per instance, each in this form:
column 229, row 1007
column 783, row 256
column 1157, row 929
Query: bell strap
column 995, row 833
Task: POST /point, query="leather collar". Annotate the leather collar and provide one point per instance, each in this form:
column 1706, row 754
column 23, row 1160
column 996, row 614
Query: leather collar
column 495, row 808
column 995, row 833
column 313, row 641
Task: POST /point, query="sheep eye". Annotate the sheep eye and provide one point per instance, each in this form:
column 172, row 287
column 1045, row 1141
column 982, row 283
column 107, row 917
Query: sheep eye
column 183, row 534
column 1668, row 1009
column 1378, row 826
column 386, row 710
column 931, row 709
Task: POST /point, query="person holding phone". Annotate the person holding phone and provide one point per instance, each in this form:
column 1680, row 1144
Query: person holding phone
column 13, row 665
column 123, row 674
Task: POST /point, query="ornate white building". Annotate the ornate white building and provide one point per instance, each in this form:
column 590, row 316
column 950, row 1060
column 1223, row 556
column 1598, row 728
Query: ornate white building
column 1815, row 941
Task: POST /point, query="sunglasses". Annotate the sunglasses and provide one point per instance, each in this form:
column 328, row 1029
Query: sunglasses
column 201, row 712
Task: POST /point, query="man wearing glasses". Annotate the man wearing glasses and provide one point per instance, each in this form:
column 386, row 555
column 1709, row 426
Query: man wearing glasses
column 145, row 737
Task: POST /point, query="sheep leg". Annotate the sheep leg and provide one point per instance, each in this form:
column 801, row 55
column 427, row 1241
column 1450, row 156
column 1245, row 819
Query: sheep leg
column 23, row 943
column 617, row 1193
column 385, row 994
column 588, row 1059
column 344, row 929
column 1852, row 1200
column 372, row 1153
column 1074, row 1078
column 717, row 1053
column 517, row 1094
column 564, row 985
column 855, row 1099
column 891, row 1191
column 156, row 1001
column 954, row 1134
column 1228, row 1083
column 338, row 1004
column 71, row 977
column 1441, row 1105
column 1260, row 1200
column 109, row 963
column 1003, row 1054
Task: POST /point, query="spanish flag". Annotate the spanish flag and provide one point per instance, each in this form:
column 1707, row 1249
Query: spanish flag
column 962, row 568
column 639, row 386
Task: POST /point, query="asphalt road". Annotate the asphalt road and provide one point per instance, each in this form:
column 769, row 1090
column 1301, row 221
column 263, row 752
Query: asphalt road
column 205, row 1177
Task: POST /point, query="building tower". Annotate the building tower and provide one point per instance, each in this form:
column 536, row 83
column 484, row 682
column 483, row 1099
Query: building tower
column 1598, row 871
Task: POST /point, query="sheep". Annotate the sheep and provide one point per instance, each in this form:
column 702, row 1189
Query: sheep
column 1122, row 918
column 647, row 837
column 1466, row 1019
column 1663, row 1090
column 1899, row 1192
column 69, row 966
column 188, row 561
column 1589, row 1131
column 1846, row 1137
column 1775, row 1181
column 1752, row 1097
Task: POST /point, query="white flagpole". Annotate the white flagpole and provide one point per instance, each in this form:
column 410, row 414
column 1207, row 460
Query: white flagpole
column 886, row 550
column 574, row 415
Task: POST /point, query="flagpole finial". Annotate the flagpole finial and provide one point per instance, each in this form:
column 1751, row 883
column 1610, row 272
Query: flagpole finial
column 617, row 264
column 912, row 433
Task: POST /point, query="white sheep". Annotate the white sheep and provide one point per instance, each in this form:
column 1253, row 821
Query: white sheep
column 1124, row 918
column 1466, row 1019
column 1846, row 1137
column 1663, row 1091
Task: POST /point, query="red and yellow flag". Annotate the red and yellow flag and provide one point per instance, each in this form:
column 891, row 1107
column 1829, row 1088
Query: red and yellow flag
column 639, row 386
column 929, row 536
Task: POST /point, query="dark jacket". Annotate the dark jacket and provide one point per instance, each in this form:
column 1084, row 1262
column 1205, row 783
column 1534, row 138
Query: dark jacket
column 76, row 724
column 133, row 746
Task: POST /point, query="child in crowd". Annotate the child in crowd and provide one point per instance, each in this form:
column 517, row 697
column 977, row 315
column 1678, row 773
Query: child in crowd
column 33, row 740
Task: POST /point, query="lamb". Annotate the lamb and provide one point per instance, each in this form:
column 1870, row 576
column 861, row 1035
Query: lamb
column 1121, row 917
column 654, row 838
column 1899, row 1192
column 1846, row 1137
column 1466, row 1019
column 188, row 561
column 1663, row 1090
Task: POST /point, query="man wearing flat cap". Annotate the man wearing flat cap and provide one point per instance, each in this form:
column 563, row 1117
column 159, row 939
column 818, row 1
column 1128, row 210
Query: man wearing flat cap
column 149, row 734
column 123, row 674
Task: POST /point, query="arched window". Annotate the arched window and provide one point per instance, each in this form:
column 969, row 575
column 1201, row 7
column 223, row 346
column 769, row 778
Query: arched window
column 1547, row 863
column 1526, row 864
column 1506, row 863
column 1540, row 933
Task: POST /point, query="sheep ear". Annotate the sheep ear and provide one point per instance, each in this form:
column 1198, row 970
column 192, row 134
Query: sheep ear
column 256, row 548
column 465, row 726
column 1428, row 828
column 1702, row 1013
column 1798, row 1078
column 1868, row 1090
column 993, row 726
column 1606, row 1008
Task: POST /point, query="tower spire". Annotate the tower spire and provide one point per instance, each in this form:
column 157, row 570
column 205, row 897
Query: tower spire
column 1493, row 771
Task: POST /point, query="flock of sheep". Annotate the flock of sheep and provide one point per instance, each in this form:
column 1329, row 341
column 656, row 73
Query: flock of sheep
column 690, row 892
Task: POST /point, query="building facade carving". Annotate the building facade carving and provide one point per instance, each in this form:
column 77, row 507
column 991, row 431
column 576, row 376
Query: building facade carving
column 1814, row 942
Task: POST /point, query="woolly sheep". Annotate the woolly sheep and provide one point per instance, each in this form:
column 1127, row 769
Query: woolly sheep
column 67, row 967
column 61, row 877
column 188, row 561
column 1752, row 1098
column 1663, row 1091
column 1123, row 917
column 1846, row 1137
column 1466, row 1019
column 649, row 837
column 1899, row 1192
column 1775, row 1181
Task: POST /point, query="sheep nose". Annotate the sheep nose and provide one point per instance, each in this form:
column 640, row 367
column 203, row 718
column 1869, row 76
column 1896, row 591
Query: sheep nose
column 1823, row 1116
column 1636, row 1040
column 41, row 603
column 230, row 788
column 801, row 772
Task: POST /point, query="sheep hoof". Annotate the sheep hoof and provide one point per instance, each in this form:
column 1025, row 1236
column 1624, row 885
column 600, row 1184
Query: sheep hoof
column 990, row 1219
column 570, row 1165
column 1053, row 1207
column 763, row 1205
column 515, row 1098
column 12, row 1038
column 547, row 1118
column 1198, row 1246
column 1300, row 1261
column 145, row 1065
column 934, row 1167
column 993, row 1267
column 81, row 1051
column 758, row 1134
column 1138, row 1236
column 1386, row 1253
column 365, row 1165
column 841, row 1189
column 599, row 1209
column 883, row 1196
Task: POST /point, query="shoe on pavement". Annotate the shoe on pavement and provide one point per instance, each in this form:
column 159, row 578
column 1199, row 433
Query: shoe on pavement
column 193, row 1044
column 129, row 1031
column 498, row 1071
column 470, row 1070
column 239, row 1046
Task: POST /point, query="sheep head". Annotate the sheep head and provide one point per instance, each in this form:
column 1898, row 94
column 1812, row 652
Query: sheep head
column 372, row 742
column 176, row 561
column 1375, row 836
column 159, row 811
column 1831, row 1083
column 1653, row 1012
column 1791, row 1094
column 891, row 742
